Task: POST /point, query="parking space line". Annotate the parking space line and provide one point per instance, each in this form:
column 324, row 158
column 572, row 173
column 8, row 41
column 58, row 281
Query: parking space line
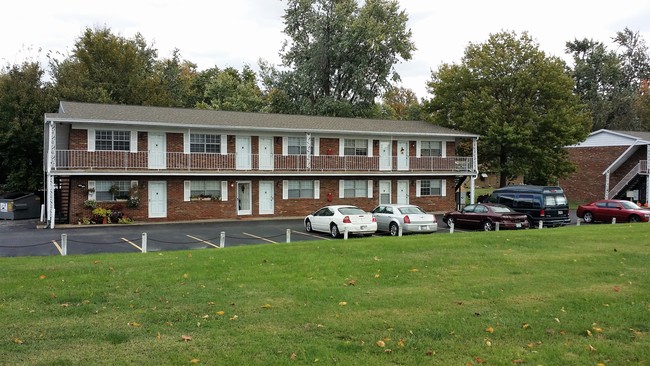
column 58, row 247
column 261, row 238
column 201, row 240
column 132, row 243
column 312, row 235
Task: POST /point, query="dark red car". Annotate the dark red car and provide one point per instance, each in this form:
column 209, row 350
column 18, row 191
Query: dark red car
column 484, row 216
column 606, row 210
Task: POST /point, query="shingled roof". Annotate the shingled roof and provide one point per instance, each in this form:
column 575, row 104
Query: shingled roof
column 199, row 118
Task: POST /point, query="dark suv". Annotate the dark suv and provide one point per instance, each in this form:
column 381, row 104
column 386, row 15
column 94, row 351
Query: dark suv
column 547, row 204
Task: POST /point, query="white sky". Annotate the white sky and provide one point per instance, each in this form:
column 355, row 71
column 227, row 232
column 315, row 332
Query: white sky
column 234, row 33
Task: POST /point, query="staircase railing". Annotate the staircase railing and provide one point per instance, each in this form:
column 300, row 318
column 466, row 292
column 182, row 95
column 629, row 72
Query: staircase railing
column 640, row 168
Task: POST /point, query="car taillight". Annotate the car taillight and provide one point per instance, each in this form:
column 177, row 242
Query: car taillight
column 407, row 219
column 346, row 220
column 541, row 213
column 374, row 219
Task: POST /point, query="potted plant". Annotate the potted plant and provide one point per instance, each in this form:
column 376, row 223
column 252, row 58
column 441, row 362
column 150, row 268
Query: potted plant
column 102, row 214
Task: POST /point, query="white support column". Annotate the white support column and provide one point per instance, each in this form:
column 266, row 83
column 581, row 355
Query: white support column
column 647, row 177
column 51, row 165
column 607, row 185
column 309, row 149
column 472, row 187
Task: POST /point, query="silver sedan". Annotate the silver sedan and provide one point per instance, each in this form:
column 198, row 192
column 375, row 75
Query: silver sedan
column 411, row 218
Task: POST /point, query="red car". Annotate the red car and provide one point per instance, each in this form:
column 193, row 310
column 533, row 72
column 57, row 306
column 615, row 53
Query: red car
column 606, row 210
column 485, row 216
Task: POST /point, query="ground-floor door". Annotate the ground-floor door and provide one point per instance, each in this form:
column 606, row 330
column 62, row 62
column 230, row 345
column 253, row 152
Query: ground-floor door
column 403, row 192
column 384, row 192
column 157, row 199
column 244, row 198
column 266, row 197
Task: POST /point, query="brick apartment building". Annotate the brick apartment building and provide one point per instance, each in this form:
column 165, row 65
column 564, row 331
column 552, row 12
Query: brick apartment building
column 610, row 164
column 172, row 164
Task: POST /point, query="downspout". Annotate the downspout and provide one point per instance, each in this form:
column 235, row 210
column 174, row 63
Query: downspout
column 51, row 164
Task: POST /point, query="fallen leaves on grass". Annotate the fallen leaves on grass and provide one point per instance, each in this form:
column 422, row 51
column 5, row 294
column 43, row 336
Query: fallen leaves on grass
column 134, row 324
column 194, row 361
column 18, row 341
column 220, row 312
column 479, row 360
column 42, row 277
column 351, row 283
column 414, row 270
column 343, row 303
column 293, row 356
column 266, row 306
column 186, row 338
column 380, row 343
column 591, row 348
column 489, row 330
column 525, row 326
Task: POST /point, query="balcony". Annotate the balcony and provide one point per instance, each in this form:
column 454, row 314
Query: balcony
column 67, row 160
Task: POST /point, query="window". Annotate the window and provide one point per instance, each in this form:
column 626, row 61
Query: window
column 298, row 146
column 108, row 190
column 431, row 187
column 356, row 188
column 112, row 140
column 300, row 189
column 205, row 189
column 205, row 143
column 431, row 148
column 355, row 147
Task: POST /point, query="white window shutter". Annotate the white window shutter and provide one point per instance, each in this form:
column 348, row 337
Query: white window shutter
column 285, row 145
column 224, row 190
column 186, row 142
column 187, row 190
column 341, row 188
column 91, row 140
column 443, row 147
column 341, row 147
column 316, row 147
column 134, row 141
column 418, row 149
column 224, row 144
column 369, row 188
column 91, row 190
column 285, row 189
column 370, row 147
column 443, row 187
column 418, row 186
column 316, row 189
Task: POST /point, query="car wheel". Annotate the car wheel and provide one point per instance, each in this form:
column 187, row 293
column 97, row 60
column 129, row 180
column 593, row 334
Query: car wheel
column 308, row 226
column 393, row 229
column 634, row 218
column 334, row 231
column 588, row 217
column 487, row 225
column 450, row 222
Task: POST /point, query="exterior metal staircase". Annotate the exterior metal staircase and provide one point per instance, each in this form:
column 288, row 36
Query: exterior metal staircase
column 631, row 178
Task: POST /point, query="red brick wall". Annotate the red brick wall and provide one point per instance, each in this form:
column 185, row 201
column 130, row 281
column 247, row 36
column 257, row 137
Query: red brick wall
column 78, row 139
column 587, row 183
column 175, row 142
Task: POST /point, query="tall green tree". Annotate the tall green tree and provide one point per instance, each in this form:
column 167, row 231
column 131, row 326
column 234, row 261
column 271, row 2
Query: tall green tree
column 172, row 83
column 231, row 90
column 401, row 104
column 24, row 99
column 339, row 57
column 519, row 100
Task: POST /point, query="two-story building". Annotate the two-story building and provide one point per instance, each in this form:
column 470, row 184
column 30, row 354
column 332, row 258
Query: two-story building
column 172, row 164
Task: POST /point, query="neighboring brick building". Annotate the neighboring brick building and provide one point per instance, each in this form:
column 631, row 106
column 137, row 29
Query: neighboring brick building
column 171, row 164
column 610, row 164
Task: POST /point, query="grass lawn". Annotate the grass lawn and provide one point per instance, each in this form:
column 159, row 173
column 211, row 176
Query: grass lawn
column 564, row 296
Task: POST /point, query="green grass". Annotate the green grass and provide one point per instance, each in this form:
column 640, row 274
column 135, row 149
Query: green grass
column 565, row 296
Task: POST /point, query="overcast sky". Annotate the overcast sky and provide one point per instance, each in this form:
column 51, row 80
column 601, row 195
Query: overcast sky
column 234, row 33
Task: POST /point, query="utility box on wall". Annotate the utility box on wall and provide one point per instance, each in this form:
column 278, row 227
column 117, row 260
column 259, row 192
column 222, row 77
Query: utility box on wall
column 19, row 205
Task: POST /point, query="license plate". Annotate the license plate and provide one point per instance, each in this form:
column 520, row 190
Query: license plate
column 363, row 227
column 518, row 225
column 424, row 227
column 560, row 212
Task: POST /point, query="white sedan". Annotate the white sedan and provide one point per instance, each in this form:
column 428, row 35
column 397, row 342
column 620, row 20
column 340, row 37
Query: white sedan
column 337, row 219
column 411, row 218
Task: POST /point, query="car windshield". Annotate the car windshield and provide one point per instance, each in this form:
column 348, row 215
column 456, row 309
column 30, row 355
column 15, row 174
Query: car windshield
column 411, row 210
column 630, row 205
column 351, row 211
column 555, row 200
column 501, row 209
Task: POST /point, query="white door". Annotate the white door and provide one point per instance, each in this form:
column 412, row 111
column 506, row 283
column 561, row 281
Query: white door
column 157, row 199
column 156, row 143
column 385, row 158
column 402, row 155
column 244, row 198
column 243, row 152
column 384, row 192
column 266, row 153
column 403, row 192
column 266, row 197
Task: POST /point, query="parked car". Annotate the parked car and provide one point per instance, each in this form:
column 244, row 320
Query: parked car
column 606, row 210
column 411, row 218
column 485, row 216
column 547, row 204
column 336, row 219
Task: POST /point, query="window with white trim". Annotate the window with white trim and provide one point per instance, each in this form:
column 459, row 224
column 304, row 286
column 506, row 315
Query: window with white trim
column 111, row 190
column 355, row 147
column 431, row 187
column 108, row 140
column 431, row 148
column 205, row 143
column 355, row 188
column 205, row 189
column 300, row 189
column 298, row 146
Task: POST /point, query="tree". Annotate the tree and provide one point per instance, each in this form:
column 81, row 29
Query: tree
column 401, row 104
column 340, row 56
column 634, row 57
column 230, row 90
column 24, row 99
column 172, row 83
column 519, row 100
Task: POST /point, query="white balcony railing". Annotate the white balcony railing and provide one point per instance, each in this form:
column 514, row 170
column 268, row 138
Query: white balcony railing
column 128, row 161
